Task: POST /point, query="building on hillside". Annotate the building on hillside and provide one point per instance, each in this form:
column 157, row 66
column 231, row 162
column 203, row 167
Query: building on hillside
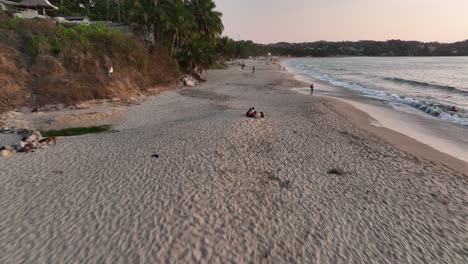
column 8, row 5
column 27, row 8
column 74, row 20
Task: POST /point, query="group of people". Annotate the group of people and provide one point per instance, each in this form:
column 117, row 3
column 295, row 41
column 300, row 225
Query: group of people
column 254, row 114
column 266, row 61
column 243, row 66
column 28, row 143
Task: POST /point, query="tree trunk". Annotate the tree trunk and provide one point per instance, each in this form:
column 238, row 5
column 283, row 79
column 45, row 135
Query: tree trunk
column 173, row 43
column 118, row 9
column 124, row 17
column 107, row 10
column 149, row 33
column 62, row 7
column 178, row 43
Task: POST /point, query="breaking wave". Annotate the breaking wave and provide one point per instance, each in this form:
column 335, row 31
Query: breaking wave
column 436, row 110
column 427, row 85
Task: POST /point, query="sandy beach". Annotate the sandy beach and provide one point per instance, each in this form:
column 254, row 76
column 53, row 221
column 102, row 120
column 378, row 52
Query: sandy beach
column 229, row 189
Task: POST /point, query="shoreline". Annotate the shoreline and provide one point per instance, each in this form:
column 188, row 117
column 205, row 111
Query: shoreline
column 432, row 134
column 402, row 141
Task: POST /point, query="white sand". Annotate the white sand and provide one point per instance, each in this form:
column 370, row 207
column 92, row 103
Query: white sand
column 231, row 189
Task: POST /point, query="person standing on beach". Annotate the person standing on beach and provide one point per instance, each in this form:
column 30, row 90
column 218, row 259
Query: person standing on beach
column 243, row 65
column 312, row 87
column 253, row 70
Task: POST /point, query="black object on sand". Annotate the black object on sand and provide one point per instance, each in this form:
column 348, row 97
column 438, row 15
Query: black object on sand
column 156, row 155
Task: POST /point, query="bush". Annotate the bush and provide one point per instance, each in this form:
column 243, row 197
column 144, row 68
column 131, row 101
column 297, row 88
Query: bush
column 36, row 45
column 217, row 66
column 98, row 39
column 76, row 131
column 69, row 64
column 43, row 37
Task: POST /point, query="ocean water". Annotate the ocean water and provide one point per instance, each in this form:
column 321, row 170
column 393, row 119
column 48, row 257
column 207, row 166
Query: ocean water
column 431, row 85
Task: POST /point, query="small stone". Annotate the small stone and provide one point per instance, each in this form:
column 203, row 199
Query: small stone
column 6, row 152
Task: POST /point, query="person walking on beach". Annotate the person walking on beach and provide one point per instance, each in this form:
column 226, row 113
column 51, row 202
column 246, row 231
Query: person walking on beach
column 312, row 88
column 253, row 70
column 243, row 65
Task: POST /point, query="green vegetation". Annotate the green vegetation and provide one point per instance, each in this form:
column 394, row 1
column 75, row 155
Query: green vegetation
column 191, row 31
column 69, row 64
column 188, row 28
column 218, row 66
column 243, row 49
column 76, row 131
column 42, row 37
column 231, row 49
column 370, row 48
column 98, row 39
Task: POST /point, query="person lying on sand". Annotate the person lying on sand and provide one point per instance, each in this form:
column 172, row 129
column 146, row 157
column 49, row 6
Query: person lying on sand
column 254, row 114
column 24, row 145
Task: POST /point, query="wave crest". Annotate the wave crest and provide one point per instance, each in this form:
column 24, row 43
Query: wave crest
column 427, row 85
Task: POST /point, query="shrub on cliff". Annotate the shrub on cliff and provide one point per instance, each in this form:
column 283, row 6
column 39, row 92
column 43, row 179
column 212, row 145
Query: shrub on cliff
column 71, row 64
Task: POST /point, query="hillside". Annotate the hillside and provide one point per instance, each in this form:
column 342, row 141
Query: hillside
column 371, row 48
column 42, row 63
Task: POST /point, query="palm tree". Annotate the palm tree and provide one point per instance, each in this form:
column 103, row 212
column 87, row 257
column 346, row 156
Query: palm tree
column 208, row 20
column 178, row 22
column 225, row 46
column 197, row 56
column 146, row 14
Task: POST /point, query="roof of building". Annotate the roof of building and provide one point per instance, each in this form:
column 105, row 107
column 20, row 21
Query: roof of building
column 71, row 18
column 36, row 3
column 8, row 2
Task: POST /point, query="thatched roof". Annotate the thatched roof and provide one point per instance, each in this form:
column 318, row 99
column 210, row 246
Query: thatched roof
column 36, row 4
column 8, row 2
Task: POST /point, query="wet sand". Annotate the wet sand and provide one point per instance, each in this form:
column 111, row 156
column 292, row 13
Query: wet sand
column 228, row 189
column 442, row 136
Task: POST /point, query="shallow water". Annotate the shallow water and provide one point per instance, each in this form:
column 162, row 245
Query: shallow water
column 432, row 85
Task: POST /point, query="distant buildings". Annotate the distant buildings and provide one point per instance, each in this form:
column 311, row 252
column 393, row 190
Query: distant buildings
column 27, row 8
column 73, row 20
column 7, row 5
column 37, row 9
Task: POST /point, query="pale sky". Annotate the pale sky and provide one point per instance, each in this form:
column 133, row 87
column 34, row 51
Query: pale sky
column 271, row 21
